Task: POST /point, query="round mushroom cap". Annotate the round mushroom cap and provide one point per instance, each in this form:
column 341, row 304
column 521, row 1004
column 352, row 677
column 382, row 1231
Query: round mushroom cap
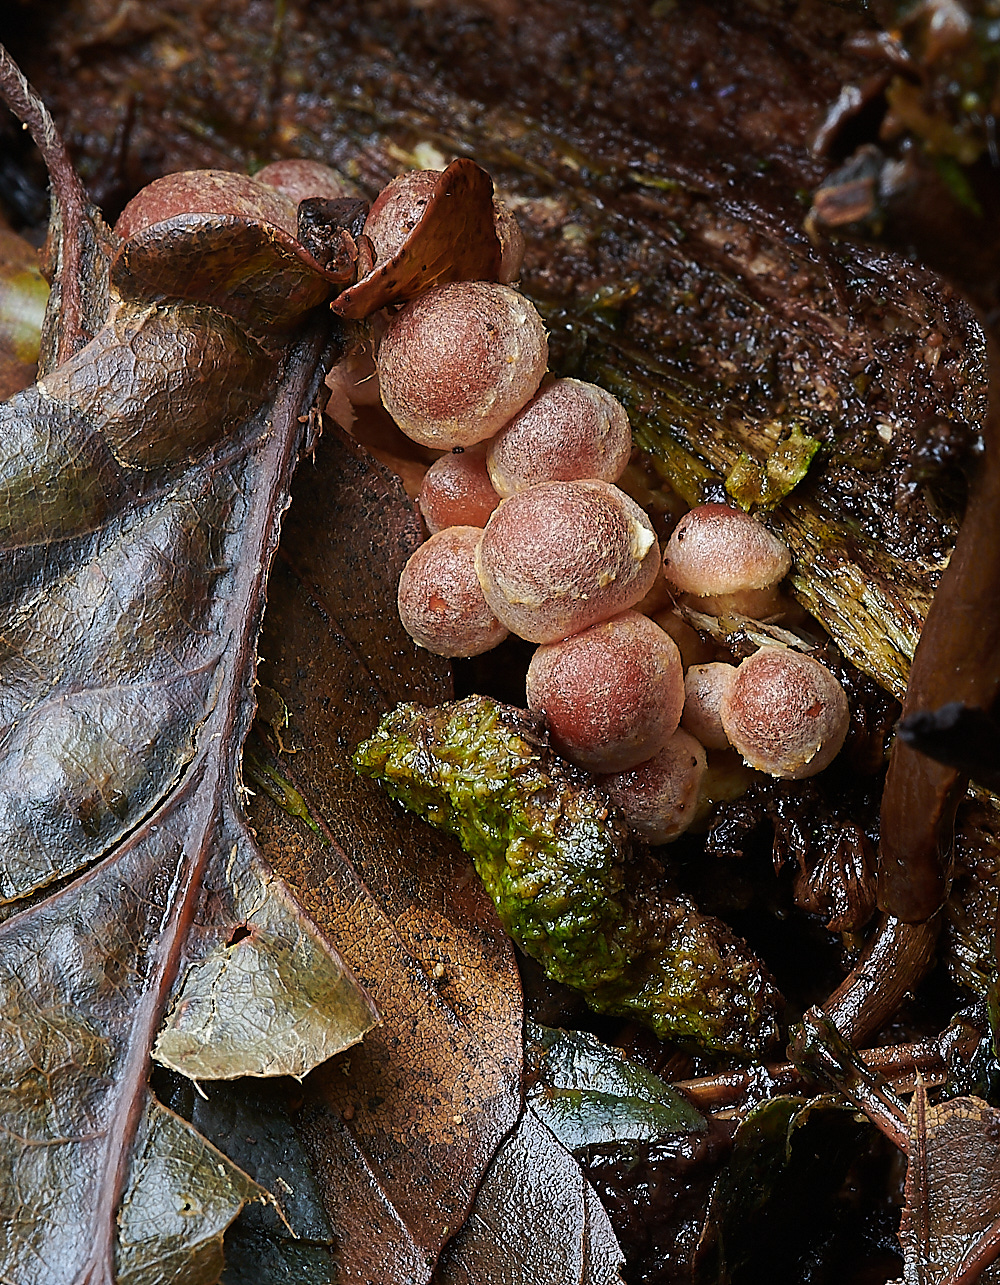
column 298, row 179
column 457, row 491
column 398, row 209
column 569, row 429
column 562, row 556
column 785, row 713
column 659, row 798
column 716, row 549
column 440, row 602
column 459, row 361
column 611, row 695
column 704, row 688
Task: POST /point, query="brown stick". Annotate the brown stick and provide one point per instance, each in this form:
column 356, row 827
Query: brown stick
column 957, row 659
column 68, row 196
column 899, row 1064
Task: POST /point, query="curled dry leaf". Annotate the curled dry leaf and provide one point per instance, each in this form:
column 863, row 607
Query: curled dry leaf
column 454, row 240
column 141, row 485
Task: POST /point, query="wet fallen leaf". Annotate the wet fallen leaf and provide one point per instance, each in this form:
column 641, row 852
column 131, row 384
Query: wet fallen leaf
column 141, row 494
column 789, row 1157
column 401, row 1130
column 536, row 1219
column 590, row 1094
column 950, row 1230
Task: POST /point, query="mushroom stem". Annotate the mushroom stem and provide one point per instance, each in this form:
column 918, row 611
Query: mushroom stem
column 957, row 659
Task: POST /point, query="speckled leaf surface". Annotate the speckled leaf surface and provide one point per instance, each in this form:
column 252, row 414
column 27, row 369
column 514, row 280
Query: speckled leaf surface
column 141, row 486
column 402, row 1128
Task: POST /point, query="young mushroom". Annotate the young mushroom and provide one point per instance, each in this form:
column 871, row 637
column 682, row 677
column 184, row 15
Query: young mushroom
column 724, row 562
column 785, row 713
column 611, row 695
column 457, row 491
column 568, row 430
column 459, row 361
column 562, row 556
column 440, row 602
column 704, row 688
column 659, row 798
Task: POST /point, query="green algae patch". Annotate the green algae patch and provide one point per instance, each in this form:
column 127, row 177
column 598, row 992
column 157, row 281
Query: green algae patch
column 556, row 861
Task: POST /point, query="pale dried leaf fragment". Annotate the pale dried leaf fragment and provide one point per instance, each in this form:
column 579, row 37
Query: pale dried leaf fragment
column 949, row 1231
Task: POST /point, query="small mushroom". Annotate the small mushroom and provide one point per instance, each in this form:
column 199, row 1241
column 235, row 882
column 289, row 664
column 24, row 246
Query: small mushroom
column 785, row 713
column 611, row 695
column 704, row 688
column 457, row 491
column 440, row 602
column 724, row 562
column 568, row 430
column 459, row 361
column 400, row 205
column 562, row 556
column 659, row 798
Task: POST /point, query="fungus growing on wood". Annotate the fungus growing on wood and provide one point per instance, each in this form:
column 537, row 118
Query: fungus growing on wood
column 459, row 361
column 457, row 491
column 785, row 713
column 440, row 602
column 659, row 798
column 704, row 688
column 562, row 556
column 568, row 430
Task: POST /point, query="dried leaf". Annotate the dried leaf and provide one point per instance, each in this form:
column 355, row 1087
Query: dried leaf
column 453, row 240
column 536, row 1219
column 288, row 1240
column 403, row 1128
column 182, row 1195
column 949, row 1230
column 140, row 497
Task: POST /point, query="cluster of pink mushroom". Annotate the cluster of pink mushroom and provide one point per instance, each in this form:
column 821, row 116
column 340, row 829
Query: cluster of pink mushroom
column 531, row 536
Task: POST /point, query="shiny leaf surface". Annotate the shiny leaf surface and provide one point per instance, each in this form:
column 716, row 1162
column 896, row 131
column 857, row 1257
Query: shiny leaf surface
column 140, row 495
column 536, row 1218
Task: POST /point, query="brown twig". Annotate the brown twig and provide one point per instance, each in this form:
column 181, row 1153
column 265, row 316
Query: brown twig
column 899, row 1064
column 68, row 196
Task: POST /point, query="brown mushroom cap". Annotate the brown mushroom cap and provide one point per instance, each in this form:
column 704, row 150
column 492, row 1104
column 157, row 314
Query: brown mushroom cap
column 659, row 798
column 298, row 179
column 569, row 429
column 716, row 549
column 704, row 688
column 785, row 713
column 397, row 209
column 440, row 602
column 611, row 695
column 562, row 556
column 459, row 361
column 457, row 491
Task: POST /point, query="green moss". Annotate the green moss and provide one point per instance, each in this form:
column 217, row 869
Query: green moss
column 555, row 861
